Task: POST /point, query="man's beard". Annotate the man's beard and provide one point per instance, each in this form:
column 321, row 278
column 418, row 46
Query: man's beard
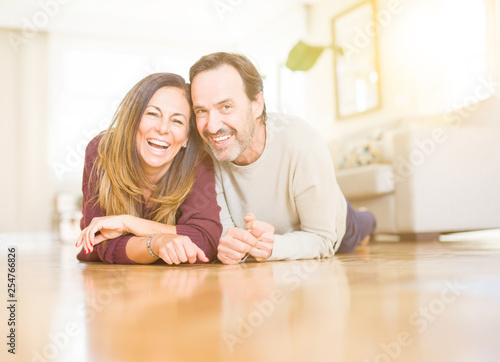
column 242, row 140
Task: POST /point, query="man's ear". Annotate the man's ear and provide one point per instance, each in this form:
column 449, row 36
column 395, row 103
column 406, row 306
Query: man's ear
column 258, row 105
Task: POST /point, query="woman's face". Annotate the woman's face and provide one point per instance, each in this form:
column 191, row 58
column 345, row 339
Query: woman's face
column 162, row 131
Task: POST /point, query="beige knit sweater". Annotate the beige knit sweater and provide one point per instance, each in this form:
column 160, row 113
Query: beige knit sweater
column 291, row 186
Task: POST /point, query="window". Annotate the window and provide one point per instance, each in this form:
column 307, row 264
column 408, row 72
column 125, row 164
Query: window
column 450, row 39
column 87, row 86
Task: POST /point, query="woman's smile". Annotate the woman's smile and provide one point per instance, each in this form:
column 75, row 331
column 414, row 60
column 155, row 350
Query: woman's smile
column 163, row 130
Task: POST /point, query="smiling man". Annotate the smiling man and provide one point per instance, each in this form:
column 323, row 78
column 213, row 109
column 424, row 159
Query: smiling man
column 275, row 178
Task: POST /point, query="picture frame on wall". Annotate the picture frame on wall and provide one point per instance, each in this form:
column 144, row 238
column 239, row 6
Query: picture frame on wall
column 355, row 61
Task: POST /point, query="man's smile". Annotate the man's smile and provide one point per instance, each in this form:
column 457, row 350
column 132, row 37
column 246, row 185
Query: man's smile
column 221, row 140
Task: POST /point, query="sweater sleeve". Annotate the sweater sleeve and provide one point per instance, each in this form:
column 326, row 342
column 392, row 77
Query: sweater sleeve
column 320, row 205
column 111, row 251
column 199, row 214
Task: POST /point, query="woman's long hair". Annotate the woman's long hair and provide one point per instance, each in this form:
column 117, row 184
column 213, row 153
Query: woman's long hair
column 121, row 178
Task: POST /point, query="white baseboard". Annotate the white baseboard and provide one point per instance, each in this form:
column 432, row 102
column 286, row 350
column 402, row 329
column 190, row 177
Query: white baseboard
column 480, row 235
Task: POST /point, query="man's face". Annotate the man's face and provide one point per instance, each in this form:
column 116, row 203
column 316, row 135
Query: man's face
column 225, row 117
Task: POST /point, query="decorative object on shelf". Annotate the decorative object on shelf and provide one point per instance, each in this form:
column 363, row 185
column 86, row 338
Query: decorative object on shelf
column 67, row 215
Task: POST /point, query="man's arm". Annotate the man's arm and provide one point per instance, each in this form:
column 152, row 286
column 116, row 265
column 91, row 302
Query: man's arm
column 320, row 205
column 234, row 243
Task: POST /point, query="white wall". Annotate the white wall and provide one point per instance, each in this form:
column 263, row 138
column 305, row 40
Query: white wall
column 26, row 190
column 425, row 62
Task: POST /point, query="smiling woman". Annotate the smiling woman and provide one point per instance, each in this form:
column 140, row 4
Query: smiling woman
column 162, row 131
column 148, row 188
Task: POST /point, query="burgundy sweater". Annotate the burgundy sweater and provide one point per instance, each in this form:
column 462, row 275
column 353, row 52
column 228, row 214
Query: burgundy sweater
column 198, row 216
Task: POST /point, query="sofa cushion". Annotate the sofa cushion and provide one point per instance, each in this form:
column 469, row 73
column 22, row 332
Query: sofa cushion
column 365, row 147
column 367, row 181
column 366, row 151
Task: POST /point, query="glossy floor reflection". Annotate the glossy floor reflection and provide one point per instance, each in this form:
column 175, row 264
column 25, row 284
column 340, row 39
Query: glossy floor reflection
column 386, row 302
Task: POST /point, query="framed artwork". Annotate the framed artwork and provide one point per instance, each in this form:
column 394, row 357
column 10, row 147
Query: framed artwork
column 356, row 68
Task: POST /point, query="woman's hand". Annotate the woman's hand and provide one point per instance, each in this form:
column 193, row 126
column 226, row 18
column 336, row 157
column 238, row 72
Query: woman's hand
column 176, row 249
column 110, row 227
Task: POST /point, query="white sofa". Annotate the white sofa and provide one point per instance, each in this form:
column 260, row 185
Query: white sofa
column 437, row 174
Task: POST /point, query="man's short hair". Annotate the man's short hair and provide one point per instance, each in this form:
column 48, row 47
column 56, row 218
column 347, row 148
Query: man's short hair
column 251, row 78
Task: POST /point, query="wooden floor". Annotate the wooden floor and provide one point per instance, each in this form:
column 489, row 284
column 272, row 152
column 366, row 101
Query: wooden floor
column 408, row 301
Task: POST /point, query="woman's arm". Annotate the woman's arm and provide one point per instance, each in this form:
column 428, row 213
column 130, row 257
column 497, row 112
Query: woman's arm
column 113, row 247
column 142, row 227
column 113, row 251
column 199, row 214
column 110, row 227
column 171, row 248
